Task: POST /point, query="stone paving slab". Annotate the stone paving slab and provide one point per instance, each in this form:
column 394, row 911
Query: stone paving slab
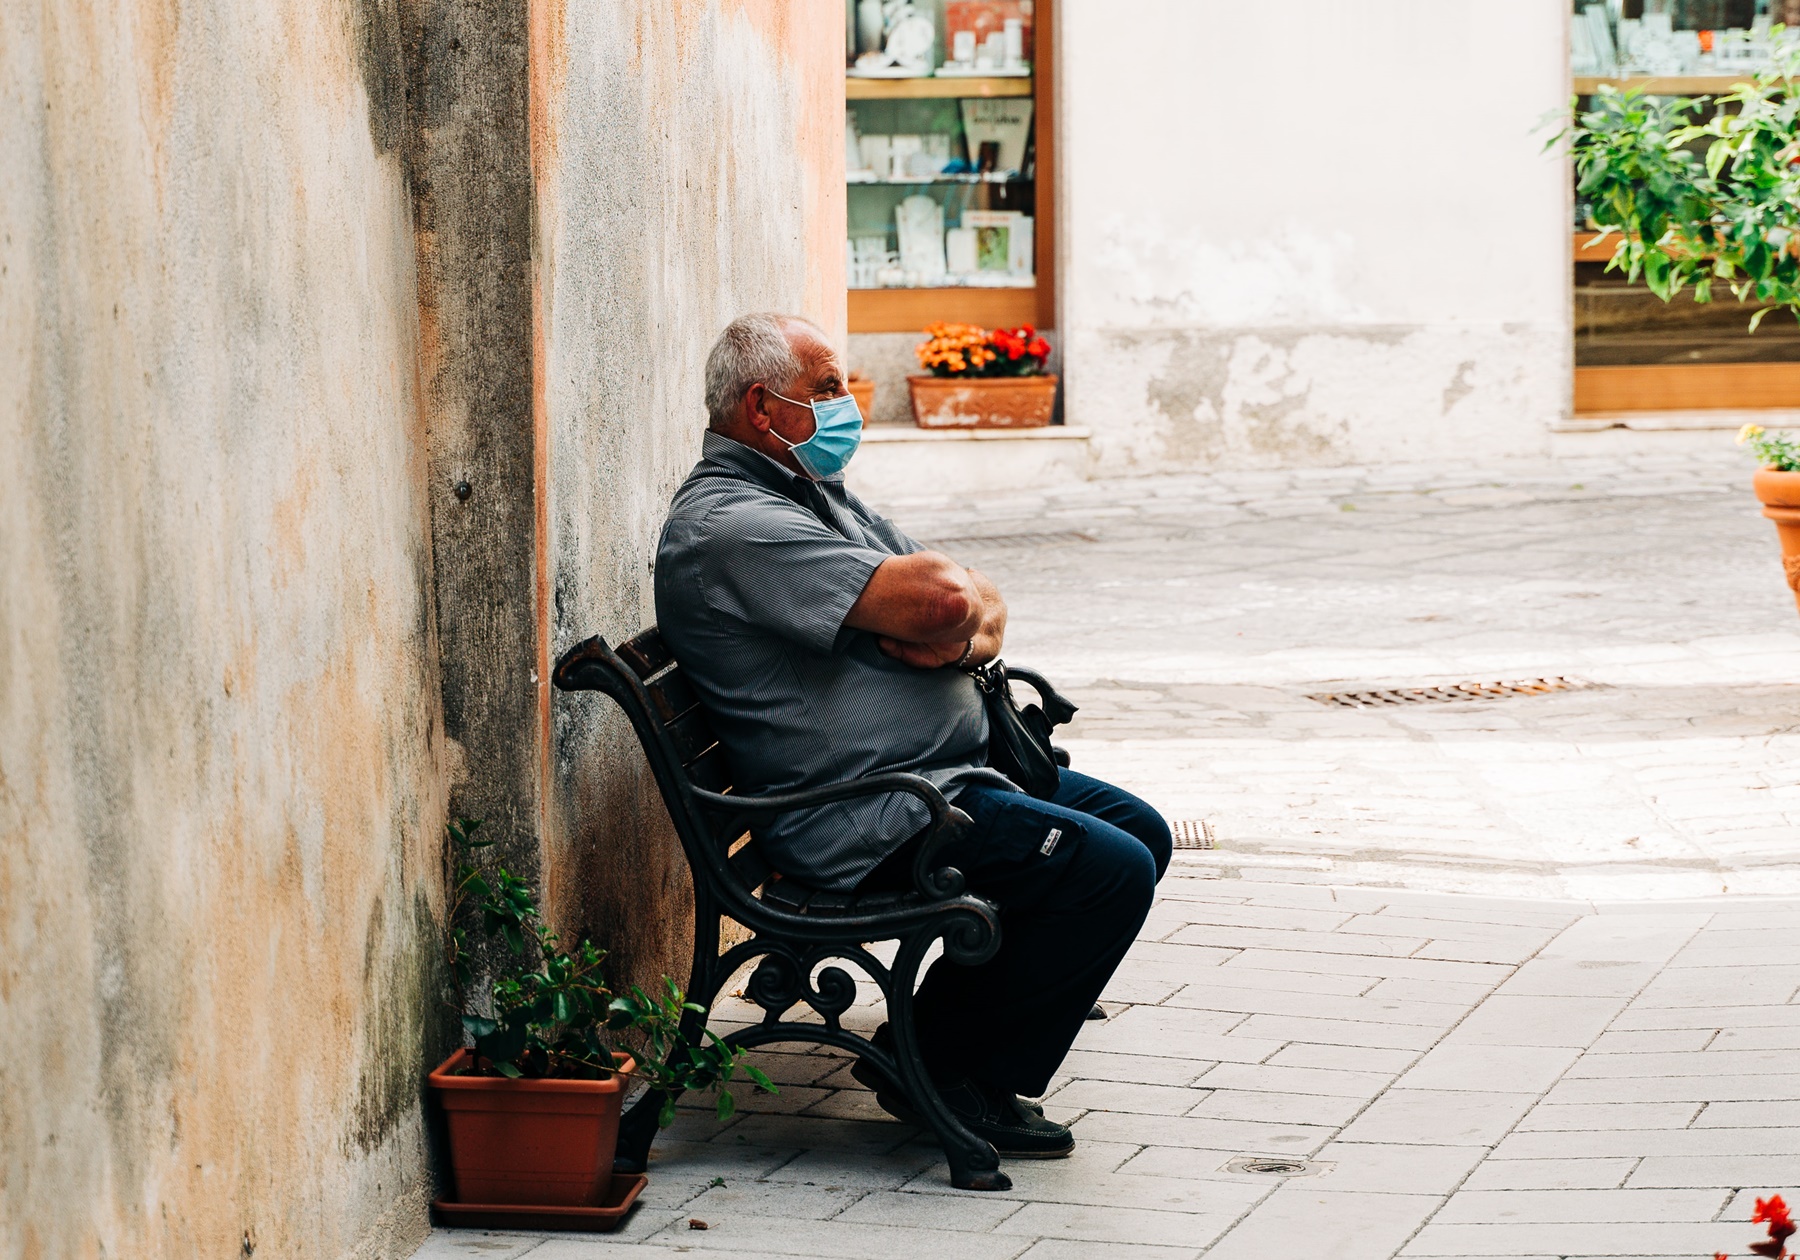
column 1519, row 977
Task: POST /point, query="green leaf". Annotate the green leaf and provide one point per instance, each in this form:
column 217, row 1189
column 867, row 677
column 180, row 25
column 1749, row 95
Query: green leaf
column 727, row 1104
column 760, row 1078
column 1716, row 156
column 507, row 1069
column 666, row 1115
column 1757, row 318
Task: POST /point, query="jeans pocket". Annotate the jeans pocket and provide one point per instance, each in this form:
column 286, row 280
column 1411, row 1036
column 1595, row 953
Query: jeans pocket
column 1023, row 846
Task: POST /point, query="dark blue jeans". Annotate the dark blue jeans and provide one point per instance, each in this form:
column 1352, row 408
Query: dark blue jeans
column 1073, row 877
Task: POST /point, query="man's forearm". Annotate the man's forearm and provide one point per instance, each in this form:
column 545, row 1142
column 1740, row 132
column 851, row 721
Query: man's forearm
column 976, row 643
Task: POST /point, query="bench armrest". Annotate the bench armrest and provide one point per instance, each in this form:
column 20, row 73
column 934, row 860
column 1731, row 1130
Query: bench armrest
column 947, row 821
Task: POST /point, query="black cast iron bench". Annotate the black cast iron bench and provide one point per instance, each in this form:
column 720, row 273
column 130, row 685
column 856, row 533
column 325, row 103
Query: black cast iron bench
column 793, row 928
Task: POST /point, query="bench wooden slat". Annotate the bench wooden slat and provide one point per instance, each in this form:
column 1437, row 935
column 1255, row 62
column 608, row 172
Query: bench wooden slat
column 672, row 696
column 692, row 735
column 645, row 652
column 749, row 866
column 709, row 770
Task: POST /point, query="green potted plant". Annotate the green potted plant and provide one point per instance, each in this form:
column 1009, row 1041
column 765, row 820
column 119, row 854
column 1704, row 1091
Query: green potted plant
column 532, row 1104
column 1702, row 202
column 1777, row 485
column 982, row 380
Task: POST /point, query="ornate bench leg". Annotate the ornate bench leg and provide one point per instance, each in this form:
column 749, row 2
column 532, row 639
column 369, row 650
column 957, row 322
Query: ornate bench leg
column 637, row 1130
column 974, row 1164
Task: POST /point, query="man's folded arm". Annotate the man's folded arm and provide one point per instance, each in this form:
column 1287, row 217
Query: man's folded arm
column 925, row 597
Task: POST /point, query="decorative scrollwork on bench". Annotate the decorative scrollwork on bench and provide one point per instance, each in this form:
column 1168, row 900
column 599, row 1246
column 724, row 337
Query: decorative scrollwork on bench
column 784, row 978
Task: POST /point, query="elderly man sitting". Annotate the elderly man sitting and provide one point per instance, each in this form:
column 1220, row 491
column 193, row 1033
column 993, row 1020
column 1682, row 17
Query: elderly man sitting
column 825, row 645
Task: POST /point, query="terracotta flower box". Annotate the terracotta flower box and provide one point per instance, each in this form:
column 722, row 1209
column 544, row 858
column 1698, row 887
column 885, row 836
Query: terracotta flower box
column 1780, row 496
column 982, row 402
column 541, row 1142
column 864, row 390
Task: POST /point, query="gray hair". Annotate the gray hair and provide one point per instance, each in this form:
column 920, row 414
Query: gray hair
column 753, row 349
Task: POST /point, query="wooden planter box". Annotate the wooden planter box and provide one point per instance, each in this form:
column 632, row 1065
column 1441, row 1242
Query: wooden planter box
column 995, row 402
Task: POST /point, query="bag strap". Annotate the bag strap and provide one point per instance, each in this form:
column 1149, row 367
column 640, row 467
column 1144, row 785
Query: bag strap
column 996, row 675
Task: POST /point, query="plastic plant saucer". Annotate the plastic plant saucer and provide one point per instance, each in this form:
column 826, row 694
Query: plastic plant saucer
column 602, row 1217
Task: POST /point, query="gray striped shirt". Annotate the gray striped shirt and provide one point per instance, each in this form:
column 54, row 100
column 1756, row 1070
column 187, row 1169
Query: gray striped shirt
column 755, row 573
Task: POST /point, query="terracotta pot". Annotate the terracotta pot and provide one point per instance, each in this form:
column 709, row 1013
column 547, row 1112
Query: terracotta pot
column 541, row 1142
column 864, row 391
column 1780, row 495
column 993, row 402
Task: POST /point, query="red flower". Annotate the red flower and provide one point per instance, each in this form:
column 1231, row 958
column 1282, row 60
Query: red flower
column 1038, row 349
column 1774, row 1211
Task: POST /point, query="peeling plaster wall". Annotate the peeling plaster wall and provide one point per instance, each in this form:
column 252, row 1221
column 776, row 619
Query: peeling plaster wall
column 1312, row 233
column 274, row 278
column 688, row 159
column 219, row 797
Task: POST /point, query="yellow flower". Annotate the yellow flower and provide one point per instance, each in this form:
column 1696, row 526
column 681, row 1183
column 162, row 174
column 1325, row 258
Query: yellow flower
column 1749, row 431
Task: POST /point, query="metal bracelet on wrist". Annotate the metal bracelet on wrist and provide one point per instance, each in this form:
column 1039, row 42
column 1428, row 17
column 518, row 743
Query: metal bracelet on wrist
column 967, row 652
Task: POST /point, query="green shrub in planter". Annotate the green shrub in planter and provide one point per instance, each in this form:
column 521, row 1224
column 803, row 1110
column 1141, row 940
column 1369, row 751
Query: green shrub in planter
column 552, row 1014
column 1699, row 202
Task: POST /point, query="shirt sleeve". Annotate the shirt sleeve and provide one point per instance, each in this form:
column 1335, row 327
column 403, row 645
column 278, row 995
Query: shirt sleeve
column 781, row 569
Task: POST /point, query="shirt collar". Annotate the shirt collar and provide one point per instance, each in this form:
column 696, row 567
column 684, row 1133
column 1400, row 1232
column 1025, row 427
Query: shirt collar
column 753, row 465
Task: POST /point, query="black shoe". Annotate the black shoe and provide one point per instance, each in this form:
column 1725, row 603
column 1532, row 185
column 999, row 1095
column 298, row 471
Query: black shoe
column 1016, row 1131
column 891, row 1097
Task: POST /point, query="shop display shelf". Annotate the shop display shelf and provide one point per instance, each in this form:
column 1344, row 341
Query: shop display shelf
column 1665, row 84
column 934, row 88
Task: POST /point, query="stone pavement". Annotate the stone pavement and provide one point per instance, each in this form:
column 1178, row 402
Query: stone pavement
column 1515, row 978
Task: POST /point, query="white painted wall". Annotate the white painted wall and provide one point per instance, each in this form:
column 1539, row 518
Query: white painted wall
column 1312, row 232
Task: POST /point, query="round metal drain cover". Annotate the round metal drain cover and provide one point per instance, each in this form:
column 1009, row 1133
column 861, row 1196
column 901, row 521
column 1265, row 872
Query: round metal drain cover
column 1275, row 1166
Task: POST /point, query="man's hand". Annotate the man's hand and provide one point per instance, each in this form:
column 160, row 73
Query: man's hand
column 923, row 655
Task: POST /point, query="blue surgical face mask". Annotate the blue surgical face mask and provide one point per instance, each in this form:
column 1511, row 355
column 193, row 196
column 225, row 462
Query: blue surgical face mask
column 837, row 432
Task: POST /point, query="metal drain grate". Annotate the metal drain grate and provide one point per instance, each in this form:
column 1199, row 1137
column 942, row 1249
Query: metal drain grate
column 1449, row 693
column 1277, row 1166
column 1193, row 833
column 1018, row 541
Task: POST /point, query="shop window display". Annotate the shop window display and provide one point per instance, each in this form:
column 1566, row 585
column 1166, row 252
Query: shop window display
column 942, row 145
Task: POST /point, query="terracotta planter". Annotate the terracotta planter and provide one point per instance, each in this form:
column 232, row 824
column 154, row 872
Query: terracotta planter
column 548, row 1143
column 864, row 391
column 1780, row 495
column 994, row 402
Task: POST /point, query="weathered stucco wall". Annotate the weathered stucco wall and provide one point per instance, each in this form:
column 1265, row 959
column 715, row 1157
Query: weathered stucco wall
column 1312, row 233
column 349, row 354
column 688, row 161
column 219, row 801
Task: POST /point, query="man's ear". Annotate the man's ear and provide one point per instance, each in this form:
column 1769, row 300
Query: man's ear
column 756, row 408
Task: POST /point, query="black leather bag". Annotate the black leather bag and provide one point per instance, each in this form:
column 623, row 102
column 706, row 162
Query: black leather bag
column 1019, row 738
